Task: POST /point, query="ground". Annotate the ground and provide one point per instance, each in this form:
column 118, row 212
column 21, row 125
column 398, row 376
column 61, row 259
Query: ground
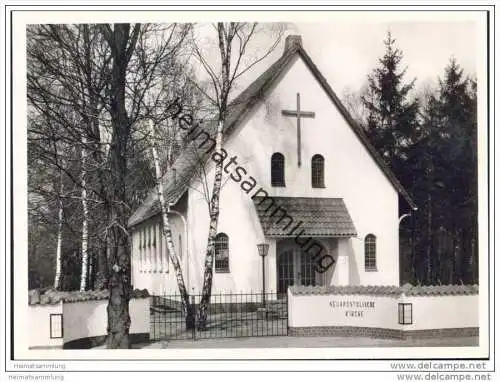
column 308, row 342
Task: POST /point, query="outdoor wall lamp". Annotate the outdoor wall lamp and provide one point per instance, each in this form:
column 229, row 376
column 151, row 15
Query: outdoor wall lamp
column 263, row 248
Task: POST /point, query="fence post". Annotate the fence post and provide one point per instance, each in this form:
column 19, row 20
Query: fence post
column 193, row 307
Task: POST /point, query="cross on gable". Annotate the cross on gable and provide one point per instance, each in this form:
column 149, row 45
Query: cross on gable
column 298, row 114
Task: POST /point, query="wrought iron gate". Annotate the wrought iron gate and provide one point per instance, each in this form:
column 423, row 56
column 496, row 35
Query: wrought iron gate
column 229, row 316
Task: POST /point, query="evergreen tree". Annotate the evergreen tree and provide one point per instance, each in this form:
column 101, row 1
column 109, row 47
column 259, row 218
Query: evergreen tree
column 443, row 165
column 391, row 122
column 458, row 171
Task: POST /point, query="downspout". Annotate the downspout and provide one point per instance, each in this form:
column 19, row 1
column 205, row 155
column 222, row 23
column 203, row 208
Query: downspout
column 403, row 216
column 186, row 245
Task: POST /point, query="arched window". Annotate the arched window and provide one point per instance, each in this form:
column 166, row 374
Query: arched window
column 370, row 252
column 278, row 170
column 221, row 253
column 318, row 171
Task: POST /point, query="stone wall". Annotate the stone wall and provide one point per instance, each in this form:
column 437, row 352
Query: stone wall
column 355, row 331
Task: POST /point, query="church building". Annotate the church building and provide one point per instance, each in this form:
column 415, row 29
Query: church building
column 299, row 175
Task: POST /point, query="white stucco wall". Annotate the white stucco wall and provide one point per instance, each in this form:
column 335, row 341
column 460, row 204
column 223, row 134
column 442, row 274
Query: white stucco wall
column 432, row 312
column 429, row 312
column 350, row 173
column 239, row 221
column 151, row 267
column 316, row 310
column 84, row 319
column 39, row 325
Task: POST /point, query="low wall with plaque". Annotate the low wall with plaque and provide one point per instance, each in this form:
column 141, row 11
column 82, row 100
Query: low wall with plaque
column 78, row 320
column 383, row 311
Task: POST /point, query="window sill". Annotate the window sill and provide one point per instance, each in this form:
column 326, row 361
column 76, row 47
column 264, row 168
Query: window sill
column 222, row 271
column 319, row 186
column 371, row 270
column 278, row 186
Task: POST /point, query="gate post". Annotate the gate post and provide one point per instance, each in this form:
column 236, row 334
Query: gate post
column 192, row 308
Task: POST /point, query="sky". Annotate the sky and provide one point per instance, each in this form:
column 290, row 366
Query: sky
column 427, row 48
column 347, row 51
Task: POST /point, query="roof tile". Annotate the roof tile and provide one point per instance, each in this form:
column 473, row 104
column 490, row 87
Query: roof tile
column 387, row 290
column 326, row 217
column 52, row 297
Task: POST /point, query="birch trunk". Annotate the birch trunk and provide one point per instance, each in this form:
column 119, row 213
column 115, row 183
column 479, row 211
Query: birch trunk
column 212, row 232
column 57, row 278
column 167, row 233
column 225, row 53
column 85, row 254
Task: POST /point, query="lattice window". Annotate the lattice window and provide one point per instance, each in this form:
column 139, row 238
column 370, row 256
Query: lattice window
column 405, row 313
column 221, row 253
column 370, row 253
column 318, row 171
column 278, row 170
column 56, row 326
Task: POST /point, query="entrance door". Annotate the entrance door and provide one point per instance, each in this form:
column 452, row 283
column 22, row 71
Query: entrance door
column 286, row 274
column 295, row 267
column 307, row 274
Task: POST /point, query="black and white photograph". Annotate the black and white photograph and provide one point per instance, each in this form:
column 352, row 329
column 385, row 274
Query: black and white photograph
column 255, row 185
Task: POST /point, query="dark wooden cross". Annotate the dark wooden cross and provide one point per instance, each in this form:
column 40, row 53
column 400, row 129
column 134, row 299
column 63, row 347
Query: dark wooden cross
column 299, row 114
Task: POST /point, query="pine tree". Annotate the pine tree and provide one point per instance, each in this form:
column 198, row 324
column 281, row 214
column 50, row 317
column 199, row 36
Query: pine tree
column 457, row 154
column 443, row 165
column 392, row 116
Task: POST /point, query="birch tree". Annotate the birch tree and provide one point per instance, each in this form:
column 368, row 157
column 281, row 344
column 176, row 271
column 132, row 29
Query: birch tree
column 234, row 45
column 67, row 74
column 167, row 232
column 85, row 233
column 60, row 216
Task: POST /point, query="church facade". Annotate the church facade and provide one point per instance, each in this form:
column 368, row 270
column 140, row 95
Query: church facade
column 298, row 175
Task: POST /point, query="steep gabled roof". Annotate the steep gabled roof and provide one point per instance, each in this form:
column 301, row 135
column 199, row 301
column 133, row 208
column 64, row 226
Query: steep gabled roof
column 175, row 185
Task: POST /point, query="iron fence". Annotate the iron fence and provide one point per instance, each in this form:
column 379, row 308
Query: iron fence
column 229, row 315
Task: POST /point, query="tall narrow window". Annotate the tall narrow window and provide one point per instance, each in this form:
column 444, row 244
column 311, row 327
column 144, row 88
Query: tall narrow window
column 144, row 250
column 165, row 254
column 160, row 247
column 221, row 253
column 370, row 252
column 149, row 252
column 278, row 170
column 318, row 171
column 180, row 247
column 140, row 250
column 154, row 249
